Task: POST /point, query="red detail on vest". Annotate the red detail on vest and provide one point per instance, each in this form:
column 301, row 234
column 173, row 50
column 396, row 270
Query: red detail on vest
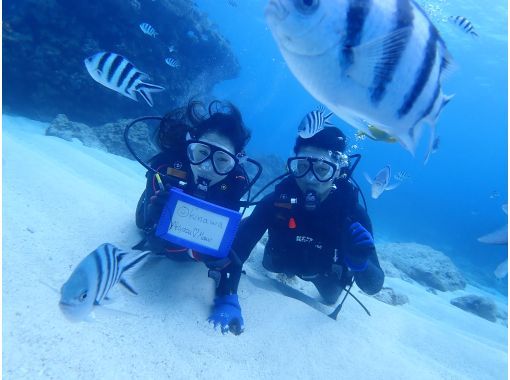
column 292, row 223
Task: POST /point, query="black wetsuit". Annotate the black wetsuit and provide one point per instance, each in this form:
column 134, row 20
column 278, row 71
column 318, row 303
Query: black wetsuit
column 226, row 193
column 310, row 244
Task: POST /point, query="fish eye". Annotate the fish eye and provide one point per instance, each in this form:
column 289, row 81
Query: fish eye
column 83, row 296
column 306, row 6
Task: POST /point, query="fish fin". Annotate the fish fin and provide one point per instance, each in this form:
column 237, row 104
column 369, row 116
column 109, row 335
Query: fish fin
column 358, row 123
column 150, row 87
column 135, row 260
column 376, row 57
column 408, row 141
column 145, row 89
column 328, row 116
column 147, row 96
column 328, row 124
column 432, row 123
column 392, row 186
column 321, row 108
column 367, row 177
column 448, row 65
column 432, row 138
column 124, row 283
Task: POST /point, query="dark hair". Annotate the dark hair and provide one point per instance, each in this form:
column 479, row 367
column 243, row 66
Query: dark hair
column 330, row 138
column 172, row 130
column 221, row 117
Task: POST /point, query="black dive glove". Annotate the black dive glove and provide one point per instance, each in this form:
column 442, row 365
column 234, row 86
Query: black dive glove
column 156, row 204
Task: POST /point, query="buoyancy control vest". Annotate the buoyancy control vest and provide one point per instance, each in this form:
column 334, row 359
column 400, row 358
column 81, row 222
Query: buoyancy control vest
column 303, row 242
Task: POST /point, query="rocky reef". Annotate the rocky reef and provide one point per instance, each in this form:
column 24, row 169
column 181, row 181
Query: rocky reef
column 481, row 306
column 46, row 41
column 420, row 263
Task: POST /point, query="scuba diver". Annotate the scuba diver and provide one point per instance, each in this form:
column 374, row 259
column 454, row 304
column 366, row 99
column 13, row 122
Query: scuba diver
column 201, row 153
column 317, row 229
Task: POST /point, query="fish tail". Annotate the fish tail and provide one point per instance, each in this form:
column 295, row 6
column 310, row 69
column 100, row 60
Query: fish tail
column 407, row 141
column 134, row 261
column 124, row 283
column 446, row 99
column 431, row 144
column 145, row 89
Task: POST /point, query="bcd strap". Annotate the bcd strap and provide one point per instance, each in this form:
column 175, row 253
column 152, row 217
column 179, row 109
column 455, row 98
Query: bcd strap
column 215, row 275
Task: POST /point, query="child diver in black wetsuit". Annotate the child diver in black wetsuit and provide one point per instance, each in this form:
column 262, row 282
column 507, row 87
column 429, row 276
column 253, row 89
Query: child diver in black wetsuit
column 200, row 155
column 317, row 229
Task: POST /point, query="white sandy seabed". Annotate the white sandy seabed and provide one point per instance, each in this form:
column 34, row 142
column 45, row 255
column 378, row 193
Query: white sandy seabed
column 61, row 200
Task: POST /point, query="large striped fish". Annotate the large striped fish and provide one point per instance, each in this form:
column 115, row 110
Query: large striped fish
column 118, row 74
column 372, row 62
column 93, row 278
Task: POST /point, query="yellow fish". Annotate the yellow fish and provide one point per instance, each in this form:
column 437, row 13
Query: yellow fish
column 377, row 134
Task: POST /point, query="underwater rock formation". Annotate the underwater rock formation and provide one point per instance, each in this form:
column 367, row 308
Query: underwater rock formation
column 424, row 265
column 389, row 296
column 68, row 130
column 108, row 137
column 481, row 306
column 46, row 41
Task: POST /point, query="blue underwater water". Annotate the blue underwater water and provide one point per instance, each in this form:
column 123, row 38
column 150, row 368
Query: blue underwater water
column 446, row 204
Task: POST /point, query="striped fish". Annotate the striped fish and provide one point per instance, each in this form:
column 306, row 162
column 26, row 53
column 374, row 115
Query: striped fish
column 372, row 62
column 93, row 278
column 172, row 62
column 148, row 29
column 464, row 24
column 314, row 122
column 118, row 74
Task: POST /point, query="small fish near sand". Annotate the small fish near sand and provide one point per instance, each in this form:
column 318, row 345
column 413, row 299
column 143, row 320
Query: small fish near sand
column 93, row 278
column 463, row 24
column 118, row 74
column 498, row 237
column 375, row 62
column 148, row 29
column 381, row 182
column 314, row 122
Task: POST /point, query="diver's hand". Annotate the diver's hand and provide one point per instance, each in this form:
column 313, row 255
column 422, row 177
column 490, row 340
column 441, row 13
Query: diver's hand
column 227, row 314
column 361, row 245
column 156, row 204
